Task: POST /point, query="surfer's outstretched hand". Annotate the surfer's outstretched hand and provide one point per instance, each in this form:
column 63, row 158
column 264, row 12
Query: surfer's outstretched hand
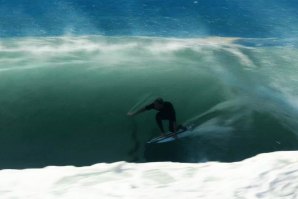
column 130, row 114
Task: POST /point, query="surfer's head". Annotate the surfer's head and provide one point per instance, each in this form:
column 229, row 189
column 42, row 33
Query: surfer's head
column 158, row 103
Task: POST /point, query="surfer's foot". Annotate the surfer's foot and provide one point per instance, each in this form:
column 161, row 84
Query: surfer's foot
column 180, row 127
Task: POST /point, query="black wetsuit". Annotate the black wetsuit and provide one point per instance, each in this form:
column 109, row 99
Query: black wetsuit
column 167, row 112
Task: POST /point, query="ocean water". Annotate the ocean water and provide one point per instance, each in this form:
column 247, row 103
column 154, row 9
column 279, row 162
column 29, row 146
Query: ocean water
column 71, row 70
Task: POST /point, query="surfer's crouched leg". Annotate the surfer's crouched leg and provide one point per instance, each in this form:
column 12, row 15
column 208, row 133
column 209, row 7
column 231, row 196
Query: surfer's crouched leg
column 158, row 118
column 171, row 126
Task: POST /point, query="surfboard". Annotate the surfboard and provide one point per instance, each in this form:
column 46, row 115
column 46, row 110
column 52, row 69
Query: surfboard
column 169, row 137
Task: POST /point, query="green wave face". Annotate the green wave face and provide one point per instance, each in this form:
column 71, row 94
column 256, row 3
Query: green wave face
column 64, row 100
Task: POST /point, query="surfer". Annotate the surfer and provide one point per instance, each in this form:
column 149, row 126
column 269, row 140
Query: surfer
column 165, row 110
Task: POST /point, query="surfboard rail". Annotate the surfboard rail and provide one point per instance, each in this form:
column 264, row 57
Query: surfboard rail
column 170, row 136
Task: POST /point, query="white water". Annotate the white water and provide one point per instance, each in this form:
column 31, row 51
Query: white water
column 268, row 176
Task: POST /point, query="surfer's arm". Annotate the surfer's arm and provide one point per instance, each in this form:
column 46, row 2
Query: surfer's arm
column 146, row 108
column 137, row 112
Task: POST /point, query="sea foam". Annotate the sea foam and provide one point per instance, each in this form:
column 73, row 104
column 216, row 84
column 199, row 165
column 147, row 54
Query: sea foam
column 271, row 175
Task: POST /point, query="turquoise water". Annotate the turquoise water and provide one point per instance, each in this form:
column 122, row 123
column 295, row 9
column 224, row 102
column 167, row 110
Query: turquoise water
column 65, row 99
column 172, row 18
